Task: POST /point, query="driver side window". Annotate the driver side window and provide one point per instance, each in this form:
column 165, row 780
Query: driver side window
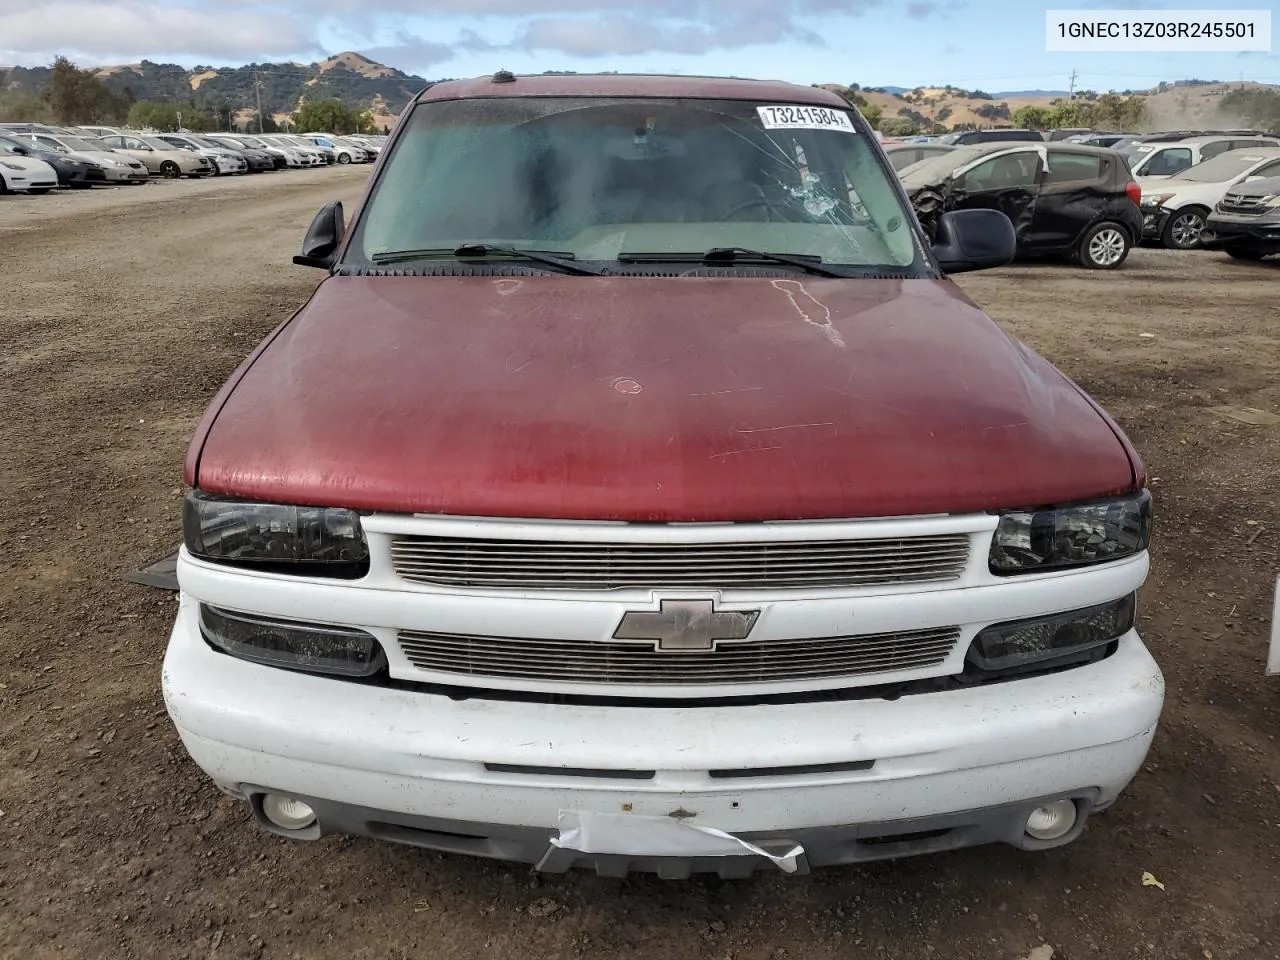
column 1000, row 173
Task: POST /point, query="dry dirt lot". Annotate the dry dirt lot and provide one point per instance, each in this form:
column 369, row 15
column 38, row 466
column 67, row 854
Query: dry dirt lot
column 124, row 311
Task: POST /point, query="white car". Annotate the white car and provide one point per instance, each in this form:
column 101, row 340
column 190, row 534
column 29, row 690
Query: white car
column 1174, row 210
column 117, row 167
column 292, row 156
column 1170, row 158
column 308, row 155
column 25, row 174
column 344, row 151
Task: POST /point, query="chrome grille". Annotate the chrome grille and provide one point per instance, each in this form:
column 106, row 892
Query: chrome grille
column 530, row 564
column 615, row 662
column 1243, row 204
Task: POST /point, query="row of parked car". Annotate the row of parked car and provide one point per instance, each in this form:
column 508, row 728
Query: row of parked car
column 36, row 158
column 1182, row 190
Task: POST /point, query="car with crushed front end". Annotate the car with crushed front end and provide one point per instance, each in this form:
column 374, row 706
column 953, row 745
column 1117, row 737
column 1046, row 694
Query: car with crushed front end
column 1065, row 199
column 638, row 492
column 1246, row 222
column 1174, row 209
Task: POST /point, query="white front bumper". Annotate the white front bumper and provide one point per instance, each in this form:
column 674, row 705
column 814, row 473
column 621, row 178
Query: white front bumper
column 415, row 753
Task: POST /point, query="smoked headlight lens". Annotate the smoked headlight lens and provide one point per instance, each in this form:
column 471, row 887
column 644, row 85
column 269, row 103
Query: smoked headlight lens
column 306, row 541
column 1061, row 637
column 1031, row 541
column 310, row 647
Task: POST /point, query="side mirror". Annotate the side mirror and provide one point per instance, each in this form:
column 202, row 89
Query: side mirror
column 968, row 240
column 1253, row 177
column 323, row 237
column 21, row 151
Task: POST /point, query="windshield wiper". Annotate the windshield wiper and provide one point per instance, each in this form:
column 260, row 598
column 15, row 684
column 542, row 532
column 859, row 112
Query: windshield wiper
column 561, row 261
column 736, row 254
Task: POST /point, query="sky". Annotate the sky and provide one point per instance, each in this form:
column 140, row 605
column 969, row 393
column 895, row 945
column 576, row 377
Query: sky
column 996, row 45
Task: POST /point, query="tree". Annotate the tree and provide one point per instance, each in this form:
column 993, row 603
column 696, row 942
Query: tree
column 17, row 107
column 77, row 96
column 329, row 116
column 1031, row 117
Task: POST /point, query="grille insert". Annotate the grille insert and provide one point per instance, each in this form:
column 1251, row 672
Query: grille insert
column 534, row 564
column 616, row 662
column 1244, row 204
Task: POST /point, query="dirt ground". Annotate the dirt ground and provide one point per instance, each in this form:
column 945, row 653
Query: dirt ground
column 124, row 311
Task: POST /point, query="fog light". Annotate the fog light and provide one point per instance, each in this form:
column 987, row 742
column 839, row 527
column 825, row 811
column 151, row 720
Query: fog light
column 1052, row 821
column 286, row 812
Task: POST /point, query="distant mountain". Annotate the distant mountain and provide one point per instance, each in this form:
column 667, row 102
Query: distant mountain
column 351, row 77
column 1032, row 93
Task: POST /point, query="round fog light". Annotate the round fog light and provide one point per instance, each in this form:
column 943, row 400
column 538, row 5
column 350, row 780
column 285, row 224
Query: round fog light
column 286, row 812
column 1052, row 821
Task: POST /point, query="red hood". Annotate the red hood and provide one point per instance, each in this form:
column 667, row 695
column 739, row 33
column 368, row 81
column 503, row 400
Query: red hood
column 653, row 400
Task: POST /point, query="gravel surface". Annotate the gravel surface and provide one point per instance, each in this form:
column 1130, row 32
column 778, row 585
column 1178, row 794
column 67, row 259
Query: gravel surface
column 124, row 311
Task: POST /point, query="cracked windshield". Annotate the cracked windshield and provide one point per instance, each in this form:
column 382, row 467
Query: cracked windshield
column 607, row 180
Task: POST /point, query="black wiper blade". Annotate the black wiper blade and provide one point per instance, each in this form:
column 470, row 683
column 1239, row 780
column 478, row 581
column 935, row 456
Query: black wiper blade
column 812, row 264
column 562, row 261
column 715, row 255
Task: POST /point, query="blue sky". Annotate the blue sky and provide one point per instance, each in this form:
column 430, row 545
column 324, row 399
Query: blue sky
column 993, row 44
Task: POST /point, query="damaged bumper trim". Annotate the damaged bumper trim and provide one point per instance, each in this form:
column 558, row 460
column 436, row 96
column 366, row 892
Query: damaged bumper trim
column 794, row 852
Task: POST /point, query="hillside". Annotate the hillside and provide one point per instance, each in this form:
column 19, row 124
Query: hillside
column 365, row 84
column 355, row 79
column 1184, row 104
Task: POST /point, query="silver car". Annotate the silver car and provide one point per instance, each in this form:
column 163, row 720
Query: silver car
column 118, row 167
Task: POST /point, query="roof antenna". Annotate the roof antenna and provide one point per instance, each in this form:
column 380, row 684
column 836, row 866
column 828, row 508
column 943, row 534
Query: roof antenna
column 504, row 76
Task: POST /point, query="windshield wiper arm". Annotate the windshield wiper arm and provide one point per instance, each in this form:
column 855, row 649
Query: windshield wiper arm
column 715, row 255
column 812, row 264
column 562, row 261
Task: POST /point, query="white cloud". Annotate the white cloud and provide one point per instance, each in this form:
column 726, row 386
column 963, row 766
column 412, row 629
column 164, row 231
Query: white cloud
column 138, row 28
column 235, row 31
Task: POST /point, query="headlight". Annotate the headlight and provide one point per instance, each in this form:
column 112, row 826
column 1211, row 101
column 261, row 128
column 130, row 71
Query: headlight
column 1156, row 199
column 11, row 166
column 1076, row 536
column 303, row 541
column 119, row 163
column 311, row 647
column 1055, row 640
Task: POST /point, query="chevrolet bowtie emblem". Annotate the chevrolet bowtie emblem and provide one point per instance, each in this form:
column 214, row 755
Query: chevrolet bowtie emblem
column 684, row 625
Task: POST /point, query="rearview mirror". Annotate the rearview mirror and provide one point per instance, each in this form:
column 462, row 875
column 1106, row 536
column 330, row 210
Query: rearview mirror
column 323, row 237
column 968, row 240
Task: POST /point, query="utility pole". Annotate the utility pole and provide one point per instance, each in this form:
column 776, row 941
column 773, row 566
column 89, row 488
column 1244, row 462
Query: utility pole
column 1072, row 89
column 257, row 92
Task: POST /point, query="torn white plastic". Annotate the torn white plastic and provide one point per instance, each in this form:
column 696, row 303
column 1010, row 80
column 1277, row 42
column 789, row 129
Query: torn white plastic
column 784, row 117
column 635, row 836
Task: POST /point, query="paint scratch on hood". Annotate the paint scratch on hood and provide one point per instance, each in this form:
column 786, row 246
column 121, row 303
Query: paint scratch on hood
column 794, row 291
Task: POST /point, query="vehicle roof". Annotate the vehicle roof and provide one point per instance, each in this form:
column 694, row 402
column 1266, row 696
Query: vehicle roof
column 632, row 85
column 1211, row 137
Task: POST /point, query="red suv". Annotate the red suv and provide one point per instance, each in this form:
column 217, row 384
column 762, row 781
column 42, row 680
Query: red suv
column 637, row 492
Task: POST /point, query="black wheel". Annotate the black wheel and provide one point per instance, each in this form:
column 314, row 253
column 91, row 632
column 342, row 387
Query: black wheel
column 344, row 158
column 1244, row 253
column 170, row 170
column 1104, row 246
column 1183, row 228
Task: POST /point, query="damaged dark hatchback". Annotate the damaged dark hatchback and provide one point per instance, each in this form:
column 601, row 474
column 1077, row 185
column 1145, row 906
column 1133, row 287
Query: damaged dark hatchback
column 1064, row 199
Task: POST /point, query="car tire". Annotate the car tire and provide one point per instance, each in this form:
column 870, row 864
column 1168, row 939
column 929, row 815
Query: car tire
column 1104, row 246
column 1244, row 253
column 170, row 170
column 1183, row 228
column 344, row 158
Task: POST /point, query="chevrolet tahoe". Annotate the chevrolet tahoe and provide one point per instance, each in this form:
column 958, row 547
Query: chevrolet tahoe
column 637, row 492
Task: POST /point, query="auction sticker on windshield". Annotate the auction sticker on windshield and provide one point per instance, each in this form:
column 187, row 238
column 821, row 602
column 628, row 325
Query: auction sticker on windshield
column 780, row 117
